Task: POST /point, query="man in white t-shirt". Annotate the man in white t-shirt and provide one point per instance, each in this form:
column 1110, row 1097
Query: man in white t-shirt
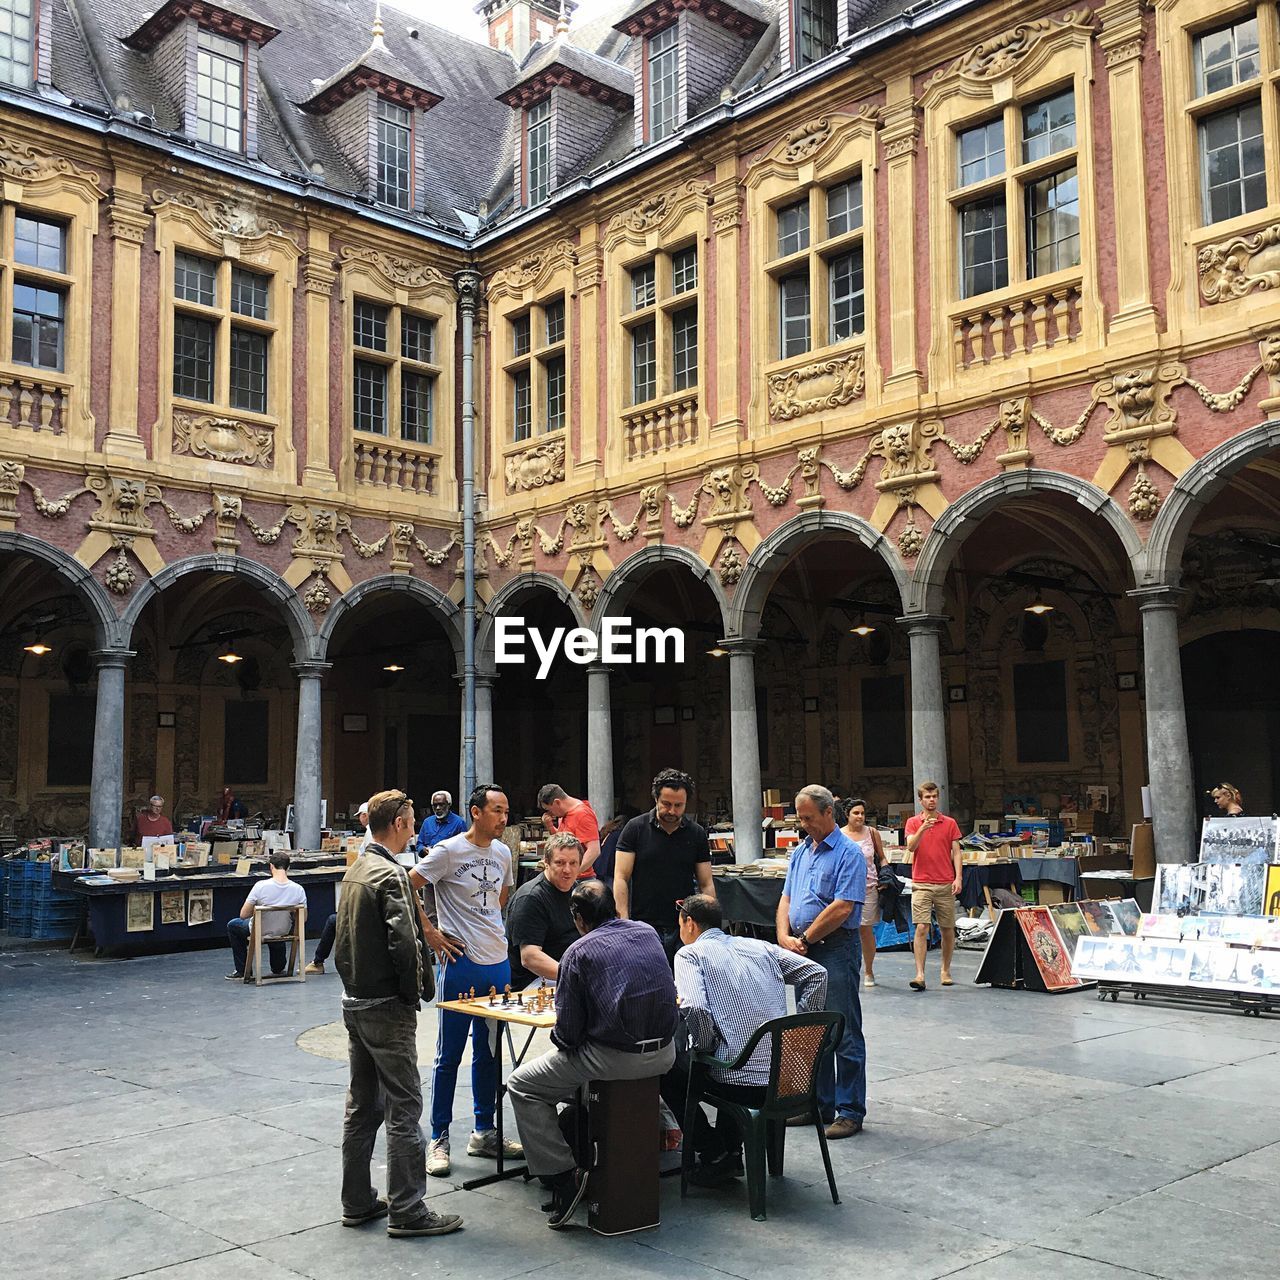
column 472, row 875
column 279, row 891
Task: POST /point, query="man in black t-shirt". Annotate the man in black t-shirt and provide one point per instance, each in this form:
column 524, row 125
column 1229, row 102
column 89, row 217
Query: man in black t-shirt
column 663, row 857
column 539, row 924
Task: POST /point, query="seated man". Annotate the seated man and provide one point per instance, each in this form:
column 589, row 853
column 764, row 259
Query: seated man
column 540, row 923
column 279, row 891
column 615, row 1016
column 729, row 987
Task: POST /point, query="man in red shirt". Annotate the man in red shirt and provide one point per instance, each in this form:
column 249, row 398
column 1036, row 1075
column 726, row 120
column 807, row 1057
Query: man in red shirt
column 934, row 841
column 563, row 812
column 151, row 820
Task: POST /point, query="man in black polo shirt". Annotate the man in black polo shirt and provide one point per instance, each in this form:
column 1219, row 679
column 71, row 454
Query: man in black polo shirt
column 540, row 925
column 663, row 856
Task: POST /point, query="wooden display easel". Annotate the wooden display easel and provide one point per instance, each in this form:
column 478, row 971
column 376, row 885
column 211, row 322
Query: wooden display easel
column 1009, row 962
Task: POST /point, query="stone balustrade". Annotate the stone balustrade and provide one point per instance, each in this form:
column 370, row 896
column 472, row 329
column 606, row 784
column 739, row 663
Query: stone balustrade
column 660, row 427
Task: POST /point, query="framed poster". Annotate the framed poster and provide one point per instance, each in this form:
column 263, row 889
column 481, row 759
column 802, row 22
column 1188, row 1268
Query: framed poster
column 1271, row 894
column 1239, row 839
column 140, row 912
column 173, row 907
column 1047, row 948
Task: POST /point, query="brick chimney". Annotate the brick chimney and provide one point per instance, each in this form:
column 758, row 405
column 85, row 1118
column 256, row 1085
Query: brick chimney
column 517, row 25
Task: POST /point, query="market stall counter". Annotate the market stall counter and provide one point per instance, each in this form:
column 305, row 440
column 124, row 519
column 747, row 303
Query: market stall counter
column 183, row 912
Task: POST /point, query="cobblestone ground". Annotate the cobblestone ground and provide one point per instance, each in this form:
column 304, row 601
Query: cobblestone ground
column 156, row 1120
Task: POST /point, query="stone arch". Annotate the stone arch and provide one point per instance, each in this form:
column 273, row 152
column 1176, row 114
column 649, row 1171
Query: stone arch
column 513, row 589
column 107, row 628
column 623, row 581
column 1161, row 563
column 770, row 557
column 431, row 596
column 301, row 628
column 955, row 524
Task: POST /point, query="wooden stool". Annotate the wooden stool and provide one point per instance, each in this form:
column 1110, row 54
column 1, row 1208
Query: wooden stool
column 623, row 1192
column 296, row 938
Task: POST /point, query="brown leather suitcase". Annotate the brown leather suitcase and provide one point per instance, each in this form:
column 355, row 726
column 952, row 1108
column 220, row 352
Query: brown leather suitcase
column 622, row 1195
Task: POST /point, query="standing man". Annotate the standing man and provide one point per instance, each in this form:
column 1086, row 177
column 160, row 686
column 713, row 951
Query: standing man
column 615, row 1017
column 279, row 891
column 663, row 857
column 151, row 820
column 441, row 823
column 471, row 874
column 540, row 924
column 936, row 879
column 563, row 812
column 818, row 917
column 379, row 956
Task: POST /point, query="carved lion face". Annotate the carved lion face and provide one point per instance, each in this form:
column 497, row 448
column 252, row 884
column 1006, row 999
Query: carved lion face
column 897, row 444
column 324, row 522
column 1135, row 392
column 129, row 494
column 1013, row 414
column 1269, row 352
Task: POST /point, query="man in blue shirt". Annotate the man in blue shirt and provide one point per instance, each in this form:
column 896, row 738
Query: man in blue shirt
column 441, row 823
column 818, row 917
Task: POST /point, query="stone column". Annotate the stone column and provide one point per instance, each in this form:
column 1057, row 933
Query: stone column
column 128, row 221
column 106, row 790
column 1173, row 811
column 899, row 137
column 726, row 222
column 600, row 791
column 484, row 739
column 588, row 277
column 318, row 278
column 744, row 750
column 307, row 778
column 928, row 710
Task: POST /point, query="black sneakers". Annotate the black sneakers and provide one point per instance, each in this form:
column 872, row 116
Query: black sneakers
column 567, row 1190
column 377, row 1210
column 427, row 1223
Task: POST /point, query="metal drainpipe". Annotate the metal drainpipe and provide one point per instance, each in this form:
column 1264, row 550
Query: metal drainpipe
column 468, row 285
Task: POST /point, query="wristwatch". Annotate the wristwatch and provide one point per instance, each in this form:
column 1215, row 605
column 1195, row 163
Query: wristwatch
column 802, row 938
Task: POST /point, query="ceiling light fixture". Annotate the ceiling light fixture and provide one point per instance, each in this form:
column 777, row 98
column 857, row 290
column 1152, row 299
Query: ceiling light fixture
column 864, row 628
column 393, row 666
column 37, row 648
column 1038, row 606
column 231, row 657
column 718, row 652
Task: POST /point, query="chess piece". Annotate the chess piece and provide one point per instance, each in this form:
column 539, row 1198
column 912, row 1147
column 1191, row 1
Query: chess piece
column 520, row 998
column 472, row 996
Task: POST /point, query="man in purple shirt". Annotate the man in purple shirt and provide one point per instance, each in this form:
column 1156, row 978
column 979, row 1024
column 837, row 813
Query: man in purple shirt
column 615, row 1017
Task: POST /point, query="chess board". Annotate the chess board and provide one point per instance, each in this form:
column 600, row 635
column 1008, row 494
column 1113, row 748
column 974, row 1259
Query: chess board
column 533, row 1008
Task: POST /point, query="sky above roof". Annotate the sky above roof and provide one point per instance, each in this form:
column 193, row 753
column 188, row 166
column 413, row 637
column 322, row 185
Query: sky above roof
column 460, row 15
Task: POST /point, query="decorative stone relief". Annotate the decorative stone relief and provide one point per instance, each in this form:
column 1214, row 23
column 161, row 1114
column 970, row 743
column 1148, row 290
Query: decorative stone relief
column 1144, row 497
column 825, row 384
column 21, row 162
column 730, row 565
column 531, row 269
column 365, row 550
column 318, row 529
column 905, row 449
column 185, row 524
column 1242, row 265
column 655, row 209
column 122, row 504
column 120, row 576
column 1014, row 417
column 401, row 542
column 222, row 439
column 588, row 590
column 534, row 468
column 1139, row 399
column 240, row 221
column 910, row 540
column 11, row 474
column 1269, row 354
column 996, row 58
column 729, row 491
column 227, row 510
column 969, row 453
column 318, row 599
column 405, row 272
column 52, row 508
column 807, row 140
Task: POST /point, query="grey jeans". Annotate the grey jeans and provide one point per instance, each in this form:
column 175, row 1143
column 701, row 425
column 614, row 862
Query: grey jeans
column 385, row 1088
column 536, row 1087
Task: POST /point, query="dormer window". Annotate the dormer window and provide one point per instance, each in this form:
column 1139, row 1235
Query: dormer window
column 220, row 66
column 395, row 155
column 663, row 68
column 17, row 49
column 538, row 151
column 816, row 30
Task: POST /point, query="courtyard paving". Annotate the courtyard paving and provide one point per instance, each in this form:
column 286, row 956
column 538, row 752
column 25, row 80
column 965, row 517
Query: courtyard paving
column 156, row 1120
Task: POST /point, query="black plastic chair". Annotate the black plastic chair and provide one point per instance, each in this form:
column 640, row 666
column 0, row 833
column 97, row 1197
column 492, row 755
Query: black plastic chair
column 797, row 1045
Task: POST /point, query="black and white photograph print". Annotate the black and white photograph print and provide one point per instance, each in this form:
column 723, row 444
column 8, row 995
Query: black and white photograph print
column 1239, row 839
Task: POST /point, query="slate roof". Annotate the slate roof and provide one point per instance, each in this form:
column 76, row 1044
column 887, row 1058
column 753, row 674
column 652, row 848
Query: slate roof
column 470, row 132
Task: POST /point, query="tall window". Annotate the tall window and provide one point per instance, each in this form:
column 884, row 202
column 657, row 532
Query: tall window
column 1040, row 712
column 1041, row 185
column 816, row 30
column 817, row 268
column 222, row 331
column 1229, row 110
column 662, row 324
column 395, row 155
column 17, row 57
column 538, row 150
column 220, row 91
column 41, row 287
column 664, row 82
column 394, row 370
column 537, row 372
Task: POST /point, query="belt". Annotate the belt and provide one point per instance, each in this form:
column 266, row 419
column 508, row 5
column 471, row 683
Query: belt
column 640, row 1046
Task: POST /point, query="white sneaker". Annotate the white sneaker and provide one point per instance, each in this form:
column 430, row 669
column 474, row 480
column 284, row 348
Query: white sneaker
column 486, row 1144
column 438, row 1157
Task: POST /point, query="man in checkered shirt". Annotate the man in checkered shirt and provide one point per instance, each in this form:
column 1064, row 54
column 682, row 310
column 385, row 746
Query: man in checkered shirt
column 728, row 988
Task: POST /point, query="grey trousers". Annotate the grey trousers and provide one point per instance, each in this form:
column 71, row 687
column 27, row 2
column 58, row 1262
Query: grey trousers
column 385, row 1088
column 536, row 1087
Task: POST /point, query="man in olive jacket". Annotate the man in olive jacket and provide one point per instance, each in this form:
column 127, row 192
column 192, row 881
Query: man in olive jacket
column 379, row 956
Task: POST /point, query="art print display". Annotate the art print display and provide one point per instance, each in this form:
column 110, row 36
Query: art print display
column 173, row 907
column 1143, row 960
column 1071, row 924
column 139, row 916
column 1210, row 888
column 1047, row 948
column 1218, row 964
column 1271, row 894
column 1127, row 915
column 1247, row 931
column 199, row 906
column 102, row 859
column 133, row 857
column 1102, row 923
column 1240, row 840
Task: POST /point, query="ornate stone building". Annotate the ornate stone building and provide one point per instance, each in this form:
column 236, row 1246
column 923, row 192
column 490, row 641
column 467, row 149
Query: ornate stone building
column 922, row 362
